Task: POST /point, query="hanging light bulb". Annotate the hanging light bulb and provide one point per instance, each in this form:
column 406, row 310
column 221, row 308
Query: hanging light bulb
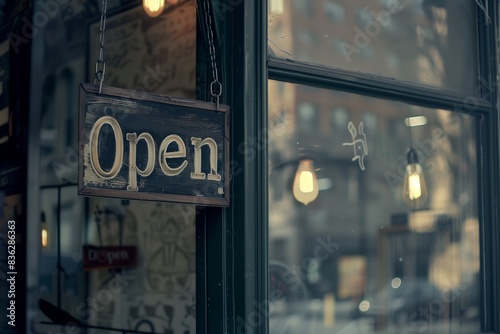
column 415, row 189
column 153, row 7
column 45, row 233
column 305, row 185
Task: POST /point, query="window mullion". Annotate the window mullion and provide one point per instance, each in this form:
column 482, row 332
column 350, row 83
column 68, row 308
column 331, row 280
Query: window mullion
column 364, row 84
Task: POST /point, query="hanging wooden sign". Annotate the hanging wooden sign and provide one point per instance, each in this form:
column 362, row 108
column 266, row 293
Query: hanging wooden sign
column 145, row 146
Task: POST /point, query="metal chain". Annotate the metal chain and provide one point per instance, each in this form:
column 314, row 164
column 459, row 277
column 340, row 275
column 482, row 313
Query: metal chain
column 100, row 65
column 215, row 86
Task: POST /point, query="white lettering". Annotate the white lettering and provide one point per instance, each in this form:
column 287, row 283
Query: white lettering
column 133, row 170
column 163, row 155
column 198, row 143
column 94, row 152
column 165, row 152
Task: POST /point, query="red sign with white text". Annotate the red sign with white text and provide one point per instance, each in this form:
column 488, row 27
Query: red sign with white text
column 109, row 257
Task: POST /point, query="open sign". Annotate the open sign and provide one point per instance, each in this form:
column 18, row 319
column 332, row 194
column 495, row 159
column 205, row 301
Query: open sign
column 151, row 147
column 109, row 257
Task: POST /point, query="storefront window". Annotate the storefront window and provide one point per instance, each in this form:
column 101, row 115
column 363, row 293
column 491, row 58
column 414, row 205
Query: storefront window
column 373, row 250
column 107, row 264
column 425, row 41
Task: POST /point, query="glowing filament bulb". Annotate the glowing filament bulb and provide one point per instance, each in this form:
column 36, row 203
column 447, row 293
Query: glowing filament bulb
column 45, row 237
column 415, row 189
column 306, row 182
column 305, row 185
column 45, row 233
column 153, row 7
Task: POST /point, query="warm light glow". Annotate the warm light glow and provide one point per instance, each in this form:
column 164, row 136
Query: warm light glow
column 364, row 306
column 276, row 7
column 329, row 310
column 153, row 7
column 423, row 221
column 306, row 182
column 45, row 237
column 415, row 121
column 415, row 189
column 396, row 282
column 305, row 185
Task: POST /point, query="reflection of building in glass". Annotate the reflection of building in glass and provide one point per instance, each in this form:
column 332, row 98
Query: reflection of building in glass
column 406, row 40
column 356, row 208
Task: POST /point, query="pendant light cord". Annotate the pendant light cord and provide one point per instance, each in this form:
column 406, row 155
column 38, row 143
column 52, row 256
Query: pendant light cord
column 409, row 131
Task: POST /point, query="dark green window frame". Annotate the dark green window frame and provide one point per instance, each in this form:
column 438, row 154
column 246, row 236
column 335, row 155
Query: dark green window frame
column 232, row 243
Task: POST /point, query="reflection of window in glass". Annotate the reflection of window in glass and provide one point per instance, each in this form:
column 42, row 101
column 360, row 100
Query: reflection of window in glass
column 444, row 32
column 334, row 11
column 313, row 273
column 389, row 254
column 440, row 21
column 352, row 271
column 424, row 35
column 303, row 6
column 370, row 122
column 307, row 117
column 276, row 6
column 339, row 118
column 363, row 16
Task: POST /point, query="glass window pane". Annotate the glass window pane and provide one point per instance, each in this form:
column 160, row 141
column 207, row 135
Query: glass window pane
column 127, row 265
column 379, row 247
column 429, row 42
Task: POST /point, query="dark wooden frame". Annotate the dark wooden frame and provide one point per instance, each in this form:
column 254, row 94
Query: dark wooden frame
column 85, row 89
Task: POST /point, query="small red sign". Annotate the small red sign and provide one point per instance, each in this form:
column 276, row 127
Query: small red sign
column 109, row 257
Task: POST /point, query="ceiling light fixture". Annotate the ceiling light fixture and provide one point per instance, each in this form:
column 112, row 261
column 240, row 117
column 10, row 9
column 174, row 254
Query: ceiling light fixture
column 415, row 187
column 153, row 7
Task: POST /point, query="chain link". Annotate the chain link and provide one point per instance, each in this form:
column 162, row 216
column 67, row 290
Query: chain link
column 215, row 86
column 100, row 65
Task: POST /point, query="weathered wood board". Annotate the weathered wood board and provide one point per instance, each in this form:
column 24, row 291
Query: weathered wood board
column 145, row 146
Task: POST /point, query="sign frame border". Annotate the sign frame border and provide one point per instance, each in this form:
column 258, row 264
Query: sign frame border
column 142, row 196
